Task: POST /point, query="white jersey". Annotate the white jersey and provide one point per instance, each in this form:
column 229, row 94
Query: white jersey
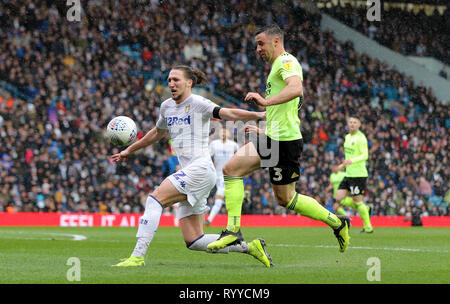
column 189, row 125
column 222, row 152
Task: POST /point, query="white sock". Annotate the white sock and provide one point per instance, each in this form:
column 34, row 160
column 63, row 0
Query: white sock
column 176, row 217
column 148, row 224
column 203, row 241
column 215, row 209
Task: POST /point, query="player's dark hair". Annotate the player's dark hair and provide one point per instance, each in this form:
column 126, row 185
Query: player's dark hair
column 354, row 114
column 272, row 30
column 197, row 76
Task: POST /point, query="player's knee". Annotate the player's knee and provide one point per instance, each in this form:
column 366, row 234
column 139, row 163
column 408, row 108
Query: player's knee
column 282, row 200
column 157, row 195
column 340, row 197
column 228, row 171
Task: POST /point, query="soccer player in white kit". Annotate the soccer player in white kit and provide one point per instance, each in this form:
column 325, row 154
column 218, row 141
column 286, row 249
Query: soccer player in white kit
column 221, row 150
column 186, row 119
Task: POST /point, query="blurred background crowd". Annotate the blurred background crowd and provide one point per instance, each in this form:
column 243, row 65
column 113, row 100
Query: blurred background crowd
column 76, row 76
column 403, row 31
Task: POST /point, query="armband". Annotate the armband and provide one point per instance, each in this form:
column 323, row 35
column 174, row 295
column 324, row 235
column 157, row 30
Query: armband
column 216, row 112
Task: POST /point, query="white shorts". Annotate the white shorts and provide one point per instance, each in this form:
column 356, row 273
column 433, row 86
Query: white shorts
column 196, row 181
column 220, row 186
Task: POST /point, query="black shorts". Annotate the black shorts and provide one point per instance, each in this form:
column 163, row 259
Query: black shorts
column 355, row 185
column 281, row 157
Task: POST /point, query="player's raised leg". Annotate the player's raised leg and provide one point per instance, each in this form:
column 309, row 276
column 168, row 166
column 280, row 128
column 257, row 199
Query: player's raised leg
column 309, row 207
column 245, row 161
column 363, row 210
column 339, row 209
column 195, row 239
column 346, row 202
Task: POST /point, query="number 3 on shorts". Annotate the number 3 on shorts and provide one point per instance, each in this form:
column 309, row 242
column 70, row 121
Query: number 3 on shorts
column 278, row 175
column 354, row 190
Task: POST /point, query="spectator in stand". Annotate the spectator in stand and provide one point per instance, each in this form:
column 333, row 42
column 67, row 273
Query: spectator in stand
column 430, row 36
column 79, row 75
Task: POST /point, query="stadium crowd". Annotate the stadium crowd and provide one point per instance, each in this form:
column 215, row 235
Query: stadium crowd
column 429, row 37
column 79, row 75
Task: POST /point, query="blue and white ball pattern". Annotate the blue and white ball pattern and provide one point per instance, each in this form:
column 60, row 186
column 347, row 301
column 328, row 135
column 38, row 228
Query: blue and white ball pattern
column 121, row 131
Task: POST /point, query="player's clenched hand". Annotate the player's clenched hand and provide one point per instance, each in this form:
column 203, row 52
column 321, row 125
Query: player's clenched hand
column 341, row 167
column 250, row 129
column 344, row 164
column 122, row 156
column 347, row 162
column 256, row 98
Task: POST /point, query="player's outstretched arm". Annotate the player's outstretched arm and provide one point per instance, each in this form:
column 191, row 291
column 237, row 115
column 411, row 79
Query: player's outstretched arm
column 293, row 89
column 151, row 137
column 240, row 115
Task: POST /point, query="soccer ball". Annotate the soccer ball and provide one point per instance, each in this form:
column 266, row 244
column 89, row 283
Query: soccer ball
column 121, row 131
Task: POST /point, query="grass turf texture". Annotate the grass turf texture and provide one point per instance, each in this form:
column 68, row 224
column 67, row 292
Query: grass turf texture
column 301, row 255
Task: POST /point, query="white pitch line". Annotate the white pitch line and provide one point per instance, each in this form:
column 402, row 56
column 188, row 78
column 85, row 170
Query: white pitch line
column 75, row 237
column 364, row 248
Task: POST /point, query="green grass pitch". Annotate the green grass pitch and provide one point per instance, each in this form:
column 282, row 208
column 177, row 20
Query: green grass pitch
column 411, row 255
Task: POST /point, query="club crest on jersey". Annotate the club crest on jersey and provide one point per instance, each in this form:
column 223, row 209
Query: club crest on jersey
column 187, row 108
column 287, row 64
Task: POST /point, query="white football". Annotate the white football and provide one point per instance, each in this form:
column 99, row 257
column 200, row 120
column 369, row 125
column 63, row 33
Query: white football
column 121, row 131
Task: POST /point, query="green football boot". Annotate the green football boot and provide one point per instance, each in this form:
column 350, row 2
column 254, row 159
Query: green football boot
column 132, row 261
column 257, row 249
column 225, row 239
column 341, row 233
